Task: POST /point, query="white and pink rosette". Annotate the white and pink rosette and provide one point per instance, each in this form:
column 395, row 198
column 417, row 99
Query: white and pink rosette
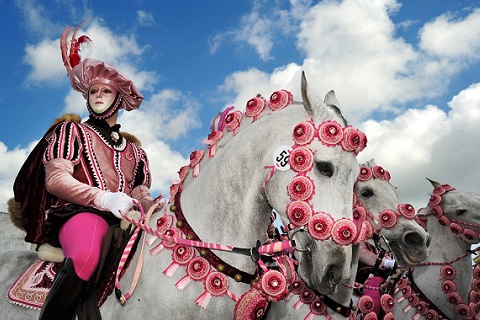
column 303, row 133
column 387, row 302
column 365, row 174
column 388, row 218
column 330, row 133
column 365, row 304
column 317, row 308
column 195, row 158
column 380, row 173
column 301, row 159
column 320, row 226
column 216, row 285
column 233, row 121
column 354, row 140
column 255, row 107
column 274, row 284
column 197, row 270
column 280, row 99
column 407, row 211
column 172, row 232
column 212, row 140
column 301, row 188
column 344, row 232
column 181, row 255
column 299, row 212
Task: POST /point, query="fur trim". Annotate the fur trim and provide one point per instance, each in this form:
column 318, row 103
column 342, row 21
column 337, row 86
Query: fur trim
column 130, row 137
column 47, row 252
column 67, row 117
column 15, row 214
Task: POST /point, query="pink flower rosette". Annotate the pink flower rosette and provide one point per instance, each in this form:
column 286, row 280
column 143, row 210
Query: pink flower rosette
column 274, row 284
column 359, row 214
column 344, row 232
column 476, row 284
column 448, row 272
column 299, row 212
column 171, row 232
column 370, row 316
column 387, row 302
column 216, row 284
column 181, row 255
column 431, row 315
column 388, row 218
column 195, row 158
column 444, row 221
column 320, row 226
column 434, row 201
column 212, row 140
column 366, row 231
column 255, row 107
column 317, row 307
column 280, row 99
column 470, row 235
column 456, row 228
column 330, row 133
column 407, row 210
column 436, row 211
column 365, row 304
column 301, row 188
column 352, row 139
column 365, row 174
column 388, row 316
column 301, row 159
column 298, row 286
column 363, row 144
column 421, row 308
column 303, row 133
column 164, row 223
column 379, row 173
column 449, row 286
column 413, row 300
column 462, row 309
column 454, row 297
column 306, row 297
column 197, row 269
column 233, row 120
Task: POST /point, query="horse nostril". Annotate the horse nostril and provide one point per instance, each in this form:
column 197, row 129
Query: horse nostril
column 413, row 239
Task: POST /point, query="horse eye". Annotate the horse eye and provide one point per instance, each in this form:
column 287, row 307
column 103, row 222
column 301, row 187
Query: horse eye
column 460, row 212
column 325, row 168
column 367, row 193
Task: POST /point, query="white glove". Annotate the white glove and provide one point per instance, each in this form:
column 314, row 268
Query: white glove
column 388, row 263
column 116, row 202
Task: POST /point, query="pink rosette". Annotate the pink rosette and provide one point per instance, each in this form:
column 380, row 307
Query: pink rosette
column 216, row 283
column 448, row 272
column 431, row 315
column 365, row 174
column 447, row 187
column 359, row 213
column 212, row 140
column 462, row 309
column 476, row 272
column 274, row 284
column 434, row 201
column 173, row 191
column 456, row 228
column 280, row 99
column 389, row 316
column 351, row 139
column 436, row 211
column 299, row 212
column 402, row 283
column 370, row 316
column 475, row 309
column 182, row 254
column 318, row 307
column 407, row 210
column 388, row 218
column 164, row 223
column 474, row 297
column 301, row 188
column 476, row 284
column 307, row 296
column 197, row 269
column 255, row 107
column 454, row 298
column 320, row 226
column 172, row 232
column 438, row 191
column 406, row 291
column 251, row 306
column 413, row 300
column 444, row 221
column 344, row 232
column 330, row 133
column 233, row 121
column 379, row 172
column 303, row 133
column 365, row 304
column 366, row 231
column 301, row 159
column 449, row 286
column 298, row 286
column 421, row 308
column 362, row 145
column 470, row 234
column 387, row 302
column 195, row 158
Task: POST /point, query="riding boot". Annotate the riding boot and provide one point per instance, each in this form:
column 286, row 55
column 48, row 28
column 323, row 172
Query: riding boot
column 65, row 294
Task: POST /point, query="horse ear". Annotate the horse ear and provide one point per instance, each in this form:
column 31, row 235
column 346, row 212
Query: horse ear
column 435, row 184
column 371, row 163
column 423, row 213
column 311, row 102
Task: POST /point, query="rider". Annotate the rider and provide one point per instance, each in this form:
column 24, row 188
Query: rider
column 92, row 173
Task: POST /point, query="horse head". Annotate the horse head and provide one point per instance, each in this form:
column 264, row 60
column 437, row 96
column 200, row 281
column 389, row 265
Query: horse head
column 395, row 222
column 314, row 196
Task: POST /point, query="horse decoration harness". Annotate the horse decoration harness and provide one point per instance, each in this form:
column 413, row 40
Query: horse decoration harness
column 275, row 278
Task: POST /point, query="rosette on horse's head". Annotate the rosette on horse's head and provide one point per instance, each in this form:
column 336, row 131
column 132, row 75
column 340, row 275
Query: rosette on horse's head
column 85, row 74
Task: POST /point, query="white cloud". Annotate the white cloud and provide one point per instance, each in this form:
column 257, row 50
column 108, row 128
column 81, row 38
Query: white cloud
column 145, row 18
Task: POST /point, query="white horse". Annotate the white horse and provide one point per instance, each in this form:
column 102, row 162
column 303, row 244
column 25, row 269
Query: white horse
column 407, row 239
column 227, row 194
column 445, row 286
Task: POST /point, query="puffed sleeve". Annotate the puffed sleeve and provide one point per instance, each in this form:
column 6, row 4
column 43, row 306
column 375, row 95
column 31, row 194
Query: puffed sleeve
column 63, row 153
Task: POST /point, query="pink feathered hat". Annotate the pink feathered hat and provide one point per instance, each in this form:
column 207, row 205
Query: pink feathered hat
column 83, row 74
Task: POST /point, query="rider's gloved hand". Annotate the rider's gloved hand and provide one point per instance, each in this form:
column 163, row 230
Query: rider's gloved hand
column 388, row 263
column 116, row 202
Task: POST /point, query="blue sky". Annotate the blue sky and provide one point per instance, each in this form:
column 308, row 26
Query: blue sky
column 405, row 72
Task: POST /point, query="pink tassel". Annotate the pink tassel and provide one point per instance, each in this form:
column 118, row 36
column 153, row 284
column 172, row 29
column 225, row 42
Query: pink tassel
column 212, row 151
column 408, row 307
column 157, row 249
column 400, row 299
column 171, row 269
column 416, row 316
column 196, row 170
column 203, row 299
column 288, row 296
column 310, row 316
column 151, row 240
column 298, row 305
column 182, row 283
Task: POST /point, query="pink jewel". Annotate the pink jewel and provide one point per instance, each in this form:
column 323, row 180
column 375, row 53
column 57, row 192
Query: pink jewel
column 449, row 286
column 198, row 268
column 320, row 226
column 365, row 174
column 164, row 223
column 299, row 212
column 387, row 302
column 303, row 133
column 436, row 211
column 233, row 120
column 255, row 106
column 301, row 159
column 280, row 99
column 448, row 272
column 407, row 210
column 454, row 297
column 434, row 201
column 216, row 283
column 318, row 307
column 365, row 304
column 344, row 231
column 301, row 188
column 274, row 284
column 351, row 140
column 330, row 133
column 388, row 218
